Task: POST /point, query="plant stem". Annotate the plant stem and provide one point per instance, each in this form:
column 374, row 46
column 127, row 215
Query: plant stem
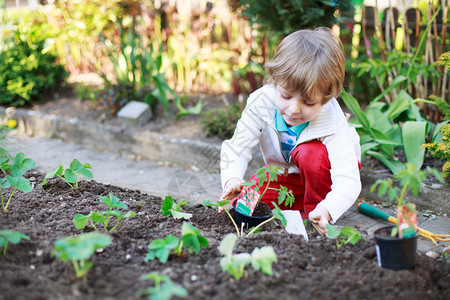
column 77, row 268
column 117, row 223
column 232, row 220
column 1, row 192
column 92, row 223
column 7, row 203
column 107, row 220
column 400, row 199
column 261, row 224
column 4, row 248
column 67, row 182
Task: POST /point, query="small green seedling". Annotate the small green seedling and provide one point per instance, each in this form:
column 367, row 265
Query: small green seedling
column 12, row 237
column 161, row 248
column 14, row 176
column 112, row 201
column 169, row 207
column 164, row 288
column 264, row 174
column 70, row 175
column 191, row 239
column 234, row 264
column 79, row 250
column 410, row 179
column 344, row 236
column 269, row 174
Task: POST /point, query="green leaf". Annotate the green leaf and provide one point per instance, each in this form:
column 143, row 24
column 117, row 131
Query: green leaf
column 24, row 185
column 332, row 231
column 75, row 165
column 56, row 172
column 394, row 166
column 354, row 107
column 80, row 247
column 160, row 248
column 112, row 201
column 278, row 215
column 12, row 236
column 180, row 215
column 191, row 238
column 70, row 176
column 393, row 85
column 97, row 217
column 86, row 173
column 227, row 244
column 263, row 259
column 401, row 103
column 350, row 235
column 167, row 204
column 221, row 203
column 80, row 221
column 413, row 137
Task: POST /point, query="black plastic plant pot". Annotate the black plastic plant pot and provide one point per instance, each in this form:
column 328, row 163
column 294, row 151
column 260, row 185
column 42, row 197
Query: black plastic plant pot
column 251, row 221
column 394, row 253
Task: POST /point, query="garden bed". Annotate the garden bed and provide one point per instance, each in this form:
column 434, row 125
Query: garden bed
column 314, row 269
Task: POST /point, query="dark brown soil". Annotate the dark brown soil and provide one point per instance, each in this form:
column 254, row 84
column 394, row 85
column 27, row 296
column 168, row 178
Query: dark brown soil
column 305, row 270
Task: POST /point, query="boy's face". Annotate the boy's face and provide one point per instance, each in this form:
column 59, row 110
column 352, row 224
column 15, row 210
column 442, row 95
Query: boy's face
column 296, row 109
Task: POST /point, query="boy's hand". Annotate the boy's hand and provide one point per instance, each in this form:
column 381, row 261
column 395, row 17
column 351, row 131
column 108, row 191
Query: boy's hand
column 320, row 217
column 232, row 188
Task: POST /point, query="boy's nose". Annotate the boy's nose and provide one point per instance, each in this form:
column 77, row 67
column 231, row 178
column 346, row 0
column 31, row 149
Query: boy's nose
column 296, row 108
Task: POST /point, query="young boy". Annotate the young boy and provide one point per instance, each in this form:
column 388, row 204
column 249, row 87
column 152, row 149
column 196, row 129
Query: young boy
column 300, row 126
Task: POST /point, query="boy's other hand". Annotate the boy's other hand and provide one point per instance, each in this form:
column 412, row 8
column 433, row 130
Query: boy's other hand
column 232, row 188
column 320, row 217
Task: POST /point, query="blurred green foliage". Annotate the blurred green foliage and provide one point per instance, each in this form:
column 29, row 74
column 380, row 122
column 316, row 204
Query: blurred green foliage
column 221, row 122
column 28, row 71
column 283, row 17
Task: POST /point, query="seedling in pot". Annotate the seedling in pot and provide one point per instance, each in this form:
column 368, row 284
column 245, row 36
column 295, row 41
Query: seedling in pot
column 343, row 236
column 12, row 237
column 14, row 176
column 191, row 240
column 79, row 250
column 164, row 288
column 269, row 174
column 410, row 179
column 234, row 264
column 170, row 207
column 70, row 175
column 112, row 201
column 265, row 174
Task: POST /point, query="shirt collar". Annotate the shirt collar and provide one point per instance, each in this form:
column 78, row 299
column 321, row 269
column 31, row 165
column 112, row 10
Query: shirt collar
column 281, row 125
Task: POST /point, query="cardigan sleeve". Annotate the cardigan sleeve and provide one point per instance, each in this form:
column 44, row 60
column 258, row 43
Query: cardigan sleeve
column 236, row 152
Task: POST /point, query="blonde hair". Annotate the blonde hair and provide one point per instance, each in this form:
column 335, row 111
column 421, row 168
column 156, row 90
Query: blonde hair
column 307, row 61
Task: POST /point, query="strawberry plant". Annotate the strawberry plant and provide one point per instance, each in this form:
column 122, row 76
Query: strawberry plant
column 234, row 264
column 169, row 207
column 14, row 176
column 112, row 201
column 191, row 239
column 161, row 248
column 79, row 250
column 164, row 288
column 343, row 236
column 11, row 236
column 70, row 175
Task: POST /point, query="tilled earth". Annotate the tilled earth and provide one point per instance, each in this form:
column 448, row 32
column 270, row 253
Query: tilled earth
column 305, row 270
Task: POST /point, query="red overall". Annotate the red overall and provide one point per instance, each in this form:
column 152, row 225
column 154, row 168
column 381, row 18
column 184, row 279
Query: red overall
column 311, row 185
